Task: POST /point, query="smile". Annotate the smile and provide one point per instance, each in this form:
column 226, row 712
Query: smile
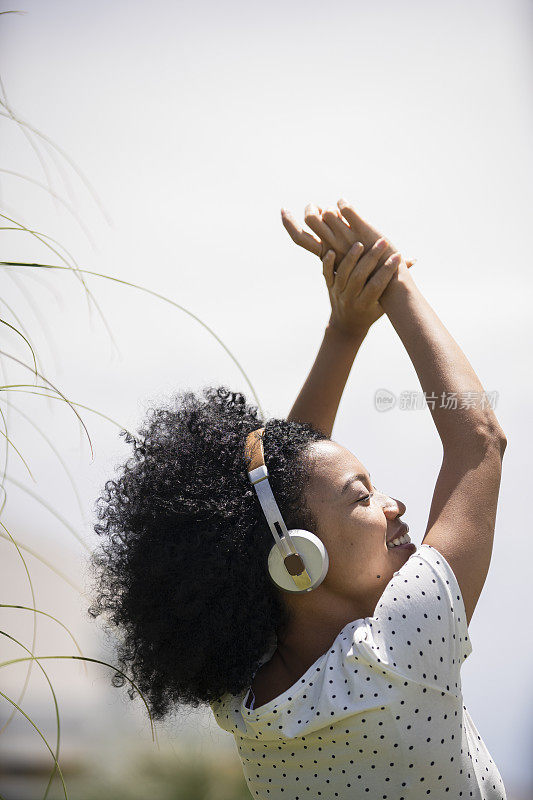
column 400, row 541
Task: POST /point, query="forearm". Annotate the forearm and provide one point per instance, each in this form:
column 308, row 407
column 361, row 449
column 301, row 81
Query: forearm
column 321, row 393
column 439, row 362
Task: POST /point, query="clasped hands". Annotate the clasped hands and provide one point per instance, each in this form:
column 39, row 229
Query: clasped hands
column 358, row 263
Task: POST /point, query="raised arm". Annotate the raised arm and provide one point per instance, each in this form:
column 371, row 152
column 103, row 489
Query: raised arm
column 462, row 516
column 440, row 364
column 354, row 308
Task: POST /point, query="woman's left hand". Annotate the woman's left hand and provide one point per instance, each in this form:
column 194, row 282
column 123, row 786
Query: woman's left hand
column 354, row 298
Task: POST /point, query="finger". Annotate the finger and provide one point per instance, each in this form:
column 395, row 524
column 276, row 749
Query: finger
column 314, row 220
column 350, row 214
column 339, row 228
column 328, row 265
column 379, row 282
column 298, row 235
column 347, row 267
column 366, row 266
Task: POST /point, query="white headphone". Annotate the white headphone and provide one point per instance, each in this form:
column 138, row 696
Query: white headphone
column 298, row 561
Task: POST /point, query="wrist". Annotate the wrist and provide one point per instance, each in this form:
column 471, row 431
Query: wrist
column 401, row 282
column 343, row 337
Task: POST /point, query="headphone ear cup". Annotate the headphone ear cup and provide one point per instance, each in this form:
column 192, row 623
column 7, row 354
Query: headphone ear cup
column 313, row 554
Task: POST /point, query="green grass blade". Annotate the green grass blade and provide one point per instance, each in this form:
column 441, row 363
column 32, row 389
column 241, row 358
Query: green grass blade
column 9, row 700
column 51, row 509
column 58, row 738
column 94, row 661
column 43, row 560
column 4, row 322
column 77, row 170
column 34, row 638
column 155, row 294
column 54, row 450
column 76, row 271
column 35, row 307
column 55, row 390
column 51, row 616
column 15, row 387
column 22, row 328
column 34, row 147
column 57, row 197
column 14, row 447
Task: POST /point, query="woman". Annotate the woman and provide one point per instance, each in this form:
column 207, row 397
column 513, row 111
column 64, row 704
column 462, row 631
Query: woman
column 351, row 689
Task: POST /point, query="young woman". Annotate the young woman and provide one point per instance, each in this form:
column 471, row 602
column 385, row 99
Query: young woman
column 351, row 689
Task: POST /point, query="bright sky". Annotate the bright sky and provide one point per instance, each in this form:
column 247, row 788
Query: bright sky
column 194, row 124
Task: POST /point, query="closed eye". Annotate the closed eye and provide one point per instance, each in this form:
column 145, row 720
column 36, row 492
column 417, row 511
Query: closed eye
column 367, row 497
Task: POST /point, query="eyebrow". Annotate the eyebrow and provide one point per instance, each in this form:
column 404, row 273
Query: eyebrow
column 357, row 476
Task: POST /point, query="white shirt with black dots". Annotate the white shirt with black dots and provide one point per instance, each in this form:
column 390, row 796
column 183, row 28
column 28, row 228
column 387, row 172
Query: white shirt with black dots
column 381, row 714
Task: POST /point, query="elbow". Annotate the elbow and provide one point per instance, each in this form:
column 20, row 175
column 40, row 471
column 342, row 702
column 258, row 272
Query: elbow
column 494, row 432
column 499, row 437
column 490, row 432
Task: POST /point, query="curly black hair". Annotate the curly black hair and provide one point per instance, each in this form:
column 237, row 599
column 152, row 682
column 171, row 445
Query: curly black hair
column 182, row 570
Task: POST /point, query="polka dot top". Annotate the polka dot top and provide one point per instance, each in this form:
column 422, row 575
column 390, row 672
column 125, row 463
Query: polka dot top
column 380, row 714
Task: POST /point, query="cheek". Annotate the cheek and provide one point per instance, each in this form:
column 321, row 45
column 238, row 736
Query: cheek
column 369, row 529
column 359, row 541
column 357, row 535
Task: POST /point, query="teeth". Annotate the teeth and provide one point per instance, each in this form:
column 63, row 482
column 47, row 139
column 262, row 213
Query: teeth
column 399, row 540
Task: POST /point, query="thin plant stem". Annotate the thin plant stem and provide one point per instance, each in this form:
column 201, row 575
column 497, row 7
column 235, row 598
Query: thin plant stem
column 15, row 448
column 44, row 561
column 53, row 448
column 34, row 639
column 57, row 197
column 4, row 322
column 94, row 661
column 58, row 737
column 22, row 363
column 51, row 509
column 14, row 387
column 17, row 118
column 20, row 324
column 73, row 268
column 51, row 616
column 36, row 308
column 9, row 700
column 155, row 294
column 34, row 147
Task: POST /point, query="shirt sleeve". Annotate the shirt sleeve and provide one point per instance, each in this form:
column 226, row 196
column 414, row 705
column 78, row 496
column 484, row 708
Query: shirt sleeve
column 419, row 627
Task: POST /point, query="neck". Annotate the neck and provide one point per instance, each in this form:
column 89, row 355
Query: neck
column 312, row 630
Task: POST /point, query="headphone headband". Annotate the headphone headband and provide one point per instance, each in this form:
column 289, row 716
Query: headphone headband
column 258, row 475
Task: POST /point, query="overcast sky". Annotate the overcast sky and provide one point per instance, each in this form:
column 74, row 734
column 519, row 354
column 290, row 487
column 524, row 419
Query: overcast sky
column 194, row 124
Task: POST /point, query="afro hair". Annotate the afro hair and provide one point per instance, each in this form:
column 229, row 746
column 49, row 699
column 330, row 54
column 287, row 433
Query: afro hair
column 181, row 570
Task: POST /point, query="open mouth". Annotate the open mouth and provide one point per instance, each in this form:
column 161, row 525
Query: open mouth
column 400, row 541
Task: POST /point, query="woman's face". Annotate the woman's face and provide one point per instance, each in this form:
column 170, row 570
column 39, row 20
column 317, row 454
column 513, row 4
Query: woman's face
column 355, row 520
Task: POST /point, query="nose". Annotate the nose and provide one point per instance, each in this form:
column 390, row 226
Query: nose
column 391, row 506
